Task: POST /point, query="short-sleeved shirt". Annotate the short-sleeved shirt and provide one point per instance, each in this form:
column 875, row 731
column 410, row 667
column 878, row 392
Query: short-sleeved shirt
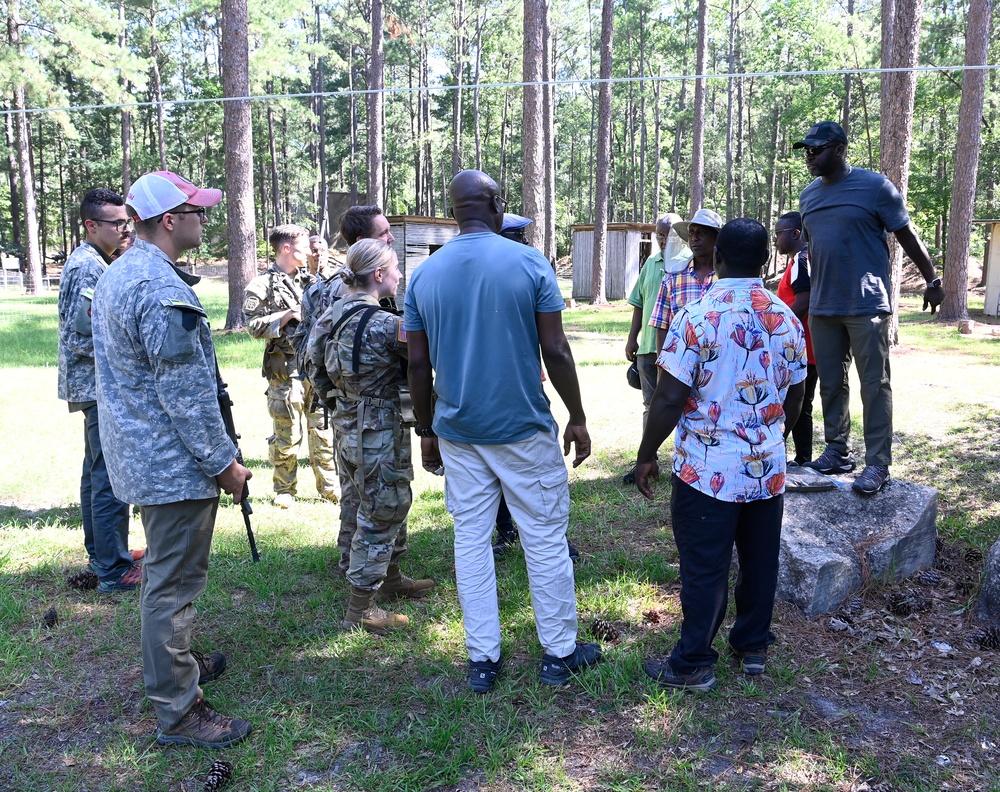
column 677, row 290
column 739, row 348
column 476, row 299
column 846, row 224
column 795, row 280
column 643, row 296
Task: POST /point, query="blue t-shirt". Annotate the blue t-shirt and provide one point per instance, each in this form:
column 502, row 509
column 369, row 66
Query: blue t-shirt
column 846, row 224
column 476, row 299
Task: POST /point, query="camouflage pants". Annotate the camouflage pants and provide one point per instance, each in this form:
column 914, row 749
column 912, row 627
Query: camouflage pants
column 287, row 403
column 379, row 535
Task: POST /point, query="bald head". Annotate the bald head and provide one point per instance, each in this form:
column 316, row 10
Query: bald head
column 475, row 202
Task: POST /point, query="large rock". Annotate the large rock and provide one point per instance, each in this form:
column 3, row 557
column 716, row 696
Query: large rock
column 833, row 540
column 988, row 608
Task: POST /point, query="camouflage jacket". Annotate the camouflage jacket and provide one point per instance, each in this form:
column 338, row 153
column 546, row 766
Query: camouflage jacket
column 382, row 352
column 268, row 296
column 157, row 382
column 76, row 341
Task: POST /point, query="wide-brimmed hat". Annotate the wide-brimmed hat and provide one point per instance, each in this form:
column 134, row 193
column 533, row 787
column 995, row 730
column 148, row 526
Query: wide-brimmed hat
column 161, row 191
column 703, row 217
column 823, row 132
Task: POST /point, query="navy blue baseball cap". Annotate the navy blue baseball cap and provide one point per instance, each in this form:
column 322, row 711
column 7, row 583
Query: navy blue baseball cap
column 513, row 222
column 823, row 132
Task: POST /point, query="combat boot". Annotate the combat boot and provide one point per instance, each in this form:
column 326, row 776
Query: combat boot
column 364, row 614
column 397, row 585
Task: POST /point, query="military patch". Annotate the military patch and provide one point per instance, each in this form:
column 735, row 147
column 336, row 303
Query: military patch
column 251, row 304
column 88, row 293
column 400, row 333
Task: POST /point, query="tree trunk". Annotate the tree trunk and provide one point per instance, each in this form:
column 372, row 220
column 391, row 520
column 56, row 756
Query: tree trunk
column 597, row 291
column 275, row 189
column 698, row 135
column 532, row 138
column 730, row 105
column 963, row 191
column 154, row 50
column 480, row 22
column 657, row 168
column 845, row 120
column 458, row 68
column 235, row 63
column 549, row 142
column 126, row 112
column 323, row 219
column 14, row 180
column 900, row 46
column 375, row 83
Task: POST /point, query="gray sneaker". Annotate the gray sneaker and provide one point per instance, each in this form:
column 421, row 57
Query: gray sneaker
column 203, row 727
column 665, row 676
column 831, row 462
column 872, row 479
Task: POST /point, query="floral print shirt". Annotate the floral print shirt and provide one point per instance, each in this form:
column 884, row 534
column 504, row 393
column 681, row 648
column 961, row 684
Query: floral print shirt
column 739, row 348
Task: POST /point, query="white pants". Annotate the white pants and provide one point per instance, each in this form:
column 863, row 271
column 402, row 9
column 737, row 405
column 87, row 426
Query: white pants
column 534, row 481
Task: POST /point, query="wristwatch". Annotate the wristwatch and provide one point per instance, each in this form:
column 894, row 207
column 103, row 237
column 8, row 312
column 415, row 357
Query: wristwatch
column 428, row 432
column 934, row 284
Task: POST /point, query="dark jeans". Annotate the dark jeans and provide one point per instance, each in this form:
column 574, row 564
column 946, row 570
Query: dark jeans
column 105, row 518
column 646, row 366
column 802, row 432
column 705, row 530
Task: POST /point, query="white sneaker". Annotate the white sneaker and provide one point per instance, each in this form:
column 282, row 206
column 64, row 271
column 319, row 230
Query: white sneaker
column 284, row 500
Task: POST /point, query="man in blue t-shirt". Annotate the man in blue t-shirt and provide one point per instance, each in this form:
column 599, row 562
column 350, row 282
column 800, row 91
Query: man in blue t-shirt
column 477, row 312
column 846, row 214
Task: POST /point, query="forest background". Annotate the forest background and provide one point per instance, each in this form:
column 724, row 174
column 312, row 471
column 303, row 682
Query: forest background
column 124, row 88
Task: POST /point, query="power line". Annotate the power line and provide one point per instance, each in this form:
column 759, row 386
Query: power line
column 575, row 82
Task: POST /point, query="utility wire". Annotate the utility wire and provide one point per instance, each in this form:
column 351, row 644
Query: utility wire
column 575, row 82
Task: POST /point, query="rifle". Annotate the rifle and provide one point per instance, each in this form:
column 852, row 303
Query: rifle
column 226, row 408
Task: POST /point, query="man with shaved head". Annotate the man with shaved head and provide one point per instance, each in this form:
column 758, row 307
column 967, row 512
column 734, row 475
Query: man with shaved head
column 478, row 311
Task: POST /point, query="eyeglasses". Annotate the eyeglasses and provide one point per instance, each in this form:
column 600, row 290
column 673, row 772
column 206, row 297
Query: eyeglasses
column 201, row 211
column 814, row 151
column 503, row 202
column 121, row 226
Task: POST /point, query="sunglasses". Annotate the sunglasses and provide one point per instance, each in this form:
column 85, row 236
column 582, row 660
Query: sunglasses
column 814, row 151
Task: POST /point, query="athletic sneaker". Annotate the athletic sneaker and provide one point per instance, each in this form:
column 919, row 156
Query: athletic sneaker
column 665, row 676
column 483, row 674
column 753, row 663
column 832, row 462
column 557, row 670
column 872, row 479
column 129, row 581
column 203, row 727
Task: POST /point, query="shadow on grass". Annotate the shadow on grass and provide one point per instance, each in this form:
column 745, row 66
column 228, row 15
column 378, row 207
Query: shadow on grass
column 16, row 517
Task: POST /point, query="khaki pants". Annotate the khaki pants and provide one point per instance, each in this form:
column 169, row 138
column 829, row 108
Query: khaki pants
column 174, row 573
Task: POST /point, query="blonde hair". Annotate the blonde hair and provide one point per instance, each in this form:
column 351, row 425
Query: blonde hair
column 363, row 258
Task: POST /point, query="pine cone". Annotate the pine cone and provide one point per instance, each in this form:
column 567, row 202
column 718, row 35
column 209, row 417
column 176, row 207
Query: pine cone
column 987, row 638
column 904, row 604
column 652, row 616
column 854, row 605
column 604, row 630
column 974, row 555
column 50, row 617
column 930, row 578
column 83, row 580
column 220, row 775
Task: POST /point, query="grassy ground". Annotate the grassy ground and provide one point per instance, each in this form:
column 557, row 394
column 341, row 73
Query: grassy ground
column 839, row 708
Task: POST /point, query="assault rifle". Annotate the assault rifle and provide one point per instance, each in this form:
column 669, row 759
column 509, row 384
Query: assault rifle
column 226, row 408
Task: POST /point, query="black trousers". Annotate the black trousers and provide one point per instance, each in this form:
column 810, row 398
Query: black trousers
column 705, row 530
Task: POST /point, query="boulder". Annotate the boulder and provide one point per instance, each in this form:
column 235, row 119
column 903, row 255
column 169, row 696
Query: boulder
column 833, row 541
column 988, row 607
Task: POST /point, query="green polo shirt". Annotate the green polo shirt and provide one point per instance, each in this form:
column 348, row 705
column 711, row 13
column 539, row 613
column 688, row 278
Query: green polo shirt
column 644, row 296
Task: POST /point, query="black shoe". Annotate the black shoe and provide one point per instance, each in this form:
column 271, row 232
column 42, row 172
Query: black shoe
column 556, row 670
column 665, row 676
column 872, row 479
column 506, row 539
column 831, row 462
column 574, row 554
column 210, row 666
column 752, row 663
column 483, row 674
column 629, row 478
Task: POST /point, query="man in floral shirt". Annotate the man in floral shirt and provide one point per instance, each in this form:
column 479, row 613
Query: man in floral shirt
column 733, row 367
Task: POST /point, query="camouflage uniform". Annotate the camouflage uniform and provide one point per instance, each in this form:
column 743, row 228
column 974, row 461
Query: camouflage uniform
column 105, row 518
column 157, row 389
column 289, row 397
column 379, row 460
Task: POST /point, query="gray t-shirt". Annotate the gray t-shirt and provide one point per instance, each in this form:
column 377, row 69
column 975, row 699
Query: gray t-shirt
column 846, row 224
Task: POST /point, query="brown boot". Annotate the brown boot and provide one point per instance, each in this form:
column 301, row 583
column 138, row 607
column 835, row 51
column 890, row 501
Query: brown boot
column 364, row 614
column 203, row 727
column 397, row 585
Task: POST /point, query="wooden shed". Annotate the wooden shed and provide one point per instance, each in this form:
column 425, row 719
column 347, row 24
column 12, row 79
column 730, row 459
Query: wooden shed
column 416, row 238
column 628, row 247
column 992, row 266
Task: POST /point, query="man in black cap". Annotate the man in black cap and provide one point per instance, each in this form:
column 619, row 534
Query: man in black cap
column 846, row 214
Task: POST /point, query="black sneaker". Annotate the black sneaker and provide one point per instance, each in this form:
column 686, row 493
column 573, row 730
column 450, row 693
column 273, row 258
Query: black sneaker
column 574, row 554
column 505, row 541
column 483, row 674
column 210, row 666
column 556, row 670
column 629, row 478
column 872, row 479
column 665, row 676
column 832, row 462
column 752, row 663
